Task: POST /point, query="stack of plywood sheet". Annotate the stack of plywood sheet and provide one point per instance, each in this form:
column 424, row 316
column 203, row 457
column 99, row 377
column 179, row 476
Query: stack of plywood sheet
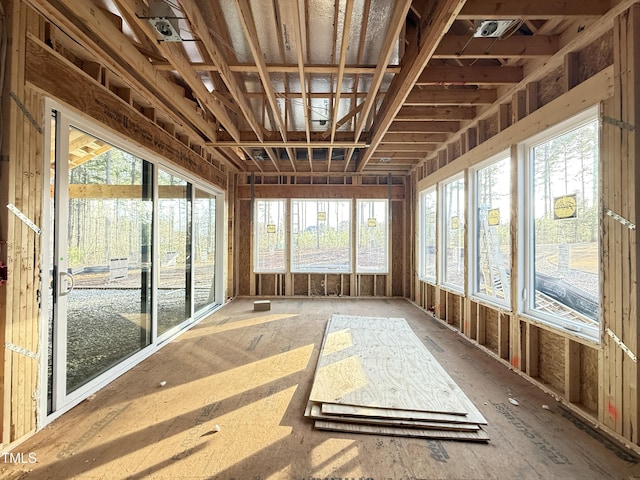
column 374, row 375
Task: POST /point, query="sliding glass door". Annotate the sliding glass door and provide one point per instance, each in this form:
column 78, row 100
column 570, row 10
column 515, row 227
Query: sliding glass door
column 132, row 250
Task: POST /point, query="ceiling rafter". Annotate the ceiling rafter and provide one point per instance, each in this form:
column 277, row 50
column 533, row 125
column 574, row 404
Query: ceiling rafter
column 392, row 34
column 174, row 52
column 344, row 44
column 428, row 112
column 356, row 69
column 450, row 96
column 301, row 74
column 515, row 46
column 476, row 75
column 439, row 16
column 540, row 9
column 251, row 34
column 108, row 44
column 210, row 44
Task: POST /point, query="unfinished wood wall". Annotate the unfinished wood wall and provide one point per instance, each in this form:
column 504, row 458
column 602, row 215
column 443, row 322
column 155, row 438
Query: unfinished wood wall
column 19, row 244
column 319, row 186
column 597, row 380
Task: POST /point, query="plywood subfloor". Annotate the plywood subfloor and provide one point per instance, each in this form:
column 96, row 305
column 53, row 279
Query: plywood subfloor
column 251, row 373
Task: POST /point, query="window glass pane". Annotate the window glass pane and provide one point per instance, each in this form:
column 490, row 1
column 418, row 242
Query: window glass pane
column 493, row 240
column 320, row 233
column 372, row 236
column 204, row 249
column 453, row 233
column 108, row 309
column 174, row 247
column 269, row 236
column 566, row 225
column 428, row 247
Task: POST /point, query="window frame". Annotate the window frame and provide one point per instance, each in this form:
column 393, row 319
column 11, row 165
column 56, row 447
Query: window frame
column 359, row 222
column 442, row 213
column 472, row 239
column 422, row 235
column 527, row 232
column 306, row 270
column 255, row 237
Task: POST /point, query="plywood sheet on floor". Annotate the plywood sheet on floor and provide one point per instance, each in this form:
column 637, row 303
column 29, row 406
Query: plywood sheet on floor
column 378, row 365
column 372, row 412
column 379, row 362
column 477, row 436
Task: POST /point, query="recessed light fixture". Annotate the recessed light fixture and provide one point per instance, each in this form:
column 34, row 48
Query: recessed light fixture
column 491, row 28
column 167, row 30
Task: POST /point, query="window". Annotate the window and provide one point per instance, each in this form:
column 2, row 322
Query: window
column 269, row 236
column 372, row 236
column 427, row 244
column 563, row 258
column 321, row 236
column 453, row 234
column 492, row 224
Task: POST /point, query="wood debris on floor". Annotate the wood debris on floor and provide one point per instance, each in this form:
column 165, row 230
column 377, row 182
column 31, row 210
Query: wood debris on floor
column 375, row 376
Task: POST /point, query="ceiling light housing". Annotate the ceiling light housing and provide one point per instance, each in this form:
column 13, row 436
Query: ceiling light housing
column 166, row 28
column 491, row 28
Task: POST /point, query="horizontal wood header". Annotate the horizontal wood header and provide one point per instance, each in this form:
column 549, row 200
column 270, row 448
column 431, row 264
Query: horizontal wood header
column 322, row 191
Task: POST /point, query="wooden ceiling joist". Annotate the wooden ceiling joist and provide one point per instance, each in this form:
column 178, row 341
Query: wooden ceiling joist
column 414, row 113
column 251, row 34
column 515, row 46
column 176, row 54
column 469, row 75
column 210, row 44
column 426, row 127
column 441, row 15
column 540, row 9
column 451, row 96
column 416, row 138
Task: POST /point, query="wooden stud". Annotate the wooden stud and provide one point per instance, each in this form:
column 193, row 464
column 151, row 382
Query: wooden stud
column 571, row 70
column 572, row 371
column 503, row 117
column 518, row 105
column 532, row 353
column 531, row 93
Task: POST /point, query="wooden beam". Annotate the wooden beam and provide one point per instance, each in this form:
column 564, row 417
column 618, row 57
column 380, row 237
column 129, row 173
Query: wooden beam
column 516, row 46
column 451, row 96
column 46, row 67
column 441, row 15
column 469, row 75
column 251, row 34
column 540, row 9
column 281, row 68
column 443, row 126
column 436, row 113
column 177, row 56
column 321, row 191
column 213, row 48
column 421, row 138
column 409, row 147
column 391, row 37
column 92, row 29
column 344, row 43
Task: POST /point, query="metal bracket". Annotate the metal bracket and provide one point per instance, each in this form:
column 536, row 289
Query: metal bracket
column 630, row 225
column 24, row 218
column 21, row 350
column 618, row 123
column 624, row 348
column 26, row 112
